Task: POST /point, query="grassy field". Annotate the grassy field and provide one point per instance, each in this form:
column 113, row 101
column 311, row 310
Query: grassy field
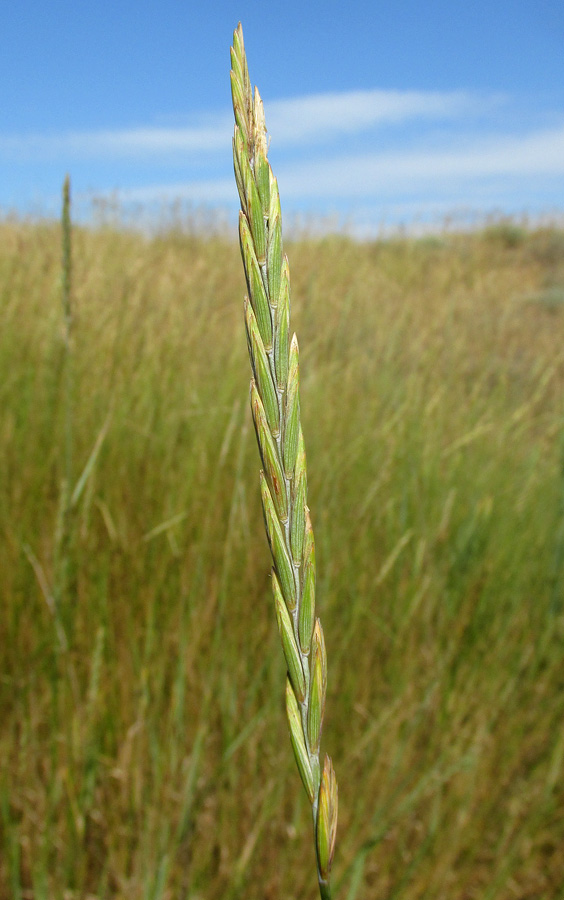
column 143, row 737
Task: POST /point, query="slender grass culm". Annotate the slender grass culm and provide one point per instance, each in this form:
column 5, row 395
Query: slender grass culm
column 276, row 413
column 64, row 526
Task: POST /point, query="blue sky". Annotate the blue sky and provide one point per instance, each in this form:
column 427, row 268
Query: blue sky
column 379, row 113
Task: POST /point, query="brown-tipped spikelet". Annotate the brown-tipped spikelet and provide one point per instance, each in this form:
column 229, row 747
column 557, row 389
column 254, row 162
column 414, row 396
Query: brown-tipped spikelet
column 275, row 403
column 326, row 831
column 318, row 688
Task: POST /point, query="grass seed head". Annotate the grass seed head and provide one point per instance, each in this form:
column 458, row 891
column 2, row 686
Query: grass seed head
column 275, row 403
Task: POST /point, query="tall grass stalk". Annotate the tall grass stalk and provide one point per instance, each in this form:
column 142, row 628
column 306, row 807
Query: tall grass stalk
column 56, row 594
column 64, row 526
column 70, row 492
column 66, row 282
column 275, row 407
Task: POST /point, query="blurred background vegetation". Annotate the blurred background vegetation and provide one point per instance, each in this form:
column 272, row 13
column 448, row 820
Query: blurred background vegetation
column 143, row 739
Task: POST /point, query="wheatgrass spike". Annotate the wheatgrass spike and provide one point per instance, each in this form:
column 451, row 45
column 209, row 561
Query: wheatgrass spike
column 275, row 404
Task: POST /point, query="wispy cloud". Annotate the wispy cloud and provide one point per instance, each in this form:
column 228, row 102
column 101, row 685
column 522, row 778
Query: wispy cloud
column 302, row 120
column 209, row 192
column 397, row 151
column 538, row 154
column 322, row 116
column 133, row 142
column 535, row 154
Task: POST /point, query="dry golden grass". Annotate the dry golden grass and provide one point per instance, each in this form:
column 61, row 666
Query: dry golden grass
column 434, row 371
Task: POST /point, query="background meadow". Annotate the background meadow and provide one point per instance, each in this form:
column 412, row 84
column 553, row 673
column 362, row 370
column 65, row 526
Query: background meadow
column 143, row 739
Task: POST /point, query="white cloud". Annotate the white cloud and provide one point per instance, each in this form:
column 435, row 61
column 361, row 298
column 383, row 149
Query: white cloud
column 313, row 118
column 540, row 153
column 468, row 157
column 209, row 192
column 120, row 143
column 332, row 115
column 377, row 175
